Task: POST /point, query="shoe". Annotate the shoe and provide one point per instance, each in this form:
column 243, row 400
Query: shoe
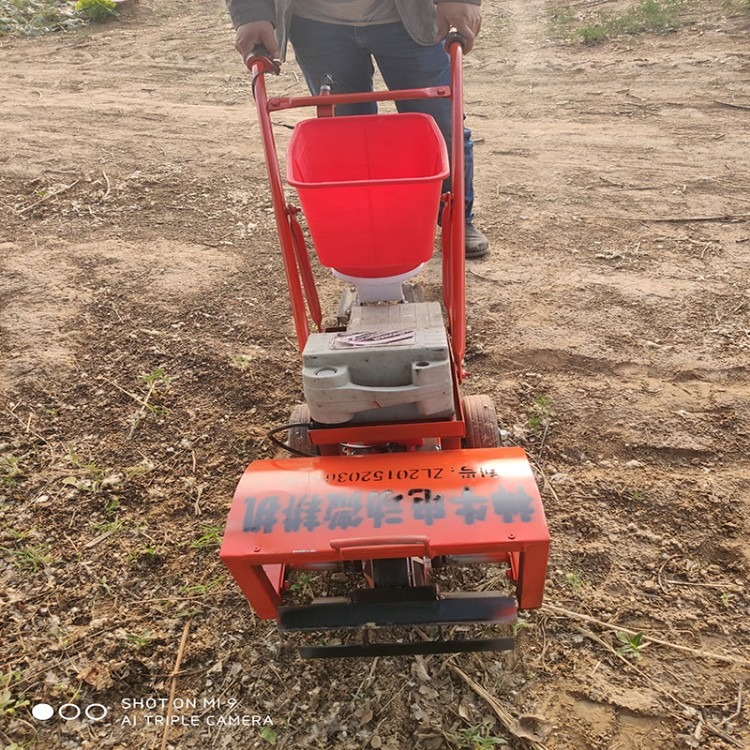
column 477, row 245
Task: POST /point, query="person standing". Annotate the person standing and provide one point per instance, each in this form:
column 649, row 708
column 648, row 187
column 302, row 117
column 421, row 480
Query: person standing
column 341, row 38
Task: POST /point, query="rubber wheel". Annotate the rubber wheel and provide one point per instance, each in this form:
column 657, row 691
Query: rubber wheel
column 480, row 418
column 391, row 572
column 298, row 437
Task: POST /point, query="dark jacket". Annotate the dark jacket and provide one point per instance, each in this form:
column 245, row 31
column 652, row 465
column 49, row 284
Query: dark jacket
column 418, row 16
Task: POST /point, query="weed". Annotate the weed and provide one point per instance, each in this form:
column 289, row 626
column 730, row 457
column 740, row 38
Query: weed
column 726, row 600
column 150, row 554
column 140, row 640
column 9, row 703
column 157, row 382
column 632, row 645
column 110, row 527
column 241, row 361
column 540, row 415
column 96, row 10
column 31, row 17
column 302, row 585
column 269, row 735
column 189, row 613
column 652, row 16
column 138, row 470
column 644, row 16
column 90, row 475
column 10, row 470
column 472, row 738
column 201, row 589
column 147, row 555
column 520, row 625
column 560, row 21
column 32, row 557
column 574, row 579
column 87, row 466
column 156, row 378
column 210, row 537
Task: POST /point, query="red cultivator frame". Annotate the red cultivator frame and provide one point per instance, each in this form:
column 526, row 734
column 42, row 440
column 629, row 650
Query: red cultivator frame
column 396, row 474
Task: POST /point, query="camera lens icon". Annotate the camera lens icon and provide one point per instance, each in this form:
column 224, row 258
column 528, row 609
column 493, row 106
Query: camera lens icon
column 70, row 712
column 42, row 712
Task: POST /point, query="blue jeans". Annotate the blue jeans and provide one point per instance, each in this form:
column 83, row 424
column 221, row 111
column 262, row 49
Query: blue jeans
column 346, row 54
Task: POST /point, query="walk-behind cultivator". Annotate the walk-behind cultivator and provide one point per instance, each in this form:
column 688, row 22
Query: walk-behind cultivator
column 395, row 476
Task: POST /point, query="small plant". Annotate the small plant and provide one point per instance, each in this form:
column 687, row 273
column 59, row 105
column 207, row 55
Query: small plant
column 138, row 470
column 520, row 625
column 110, row 527
column 269, row 735
column 302, row 585
column 140, row 640
column 201, row 589
column 147, row 555
column 574, row 579
column 210, row 537
column 96, row 10
column 726, row 600
column 89, row 477
column 472, row 738
column 560, row 21
column 10, row 470
column 652, row 16
column 632, row 645
column 157, row 382
column 9, row 703
column 31, row 557
column 540, row 415
column 242, row 361
column 31, row 17
column 150, row 554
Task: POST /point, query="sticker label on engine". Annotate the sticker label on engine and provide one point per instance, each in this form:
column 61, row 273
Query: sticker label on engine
column 367, row 339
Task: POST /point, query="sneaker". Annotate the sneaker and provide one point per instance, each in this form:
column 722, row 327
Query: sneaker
column 477, row 245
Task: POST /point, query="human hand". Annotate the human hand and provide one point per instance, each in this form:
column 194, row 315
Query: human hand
column 464, row 17
column 256, row 34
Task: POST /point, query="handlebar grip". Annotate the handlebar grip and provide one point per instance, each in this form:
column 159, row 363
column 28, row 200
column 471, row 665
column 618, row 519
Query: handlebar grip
column 261, row 56
column 260, row 51
column 454, row 37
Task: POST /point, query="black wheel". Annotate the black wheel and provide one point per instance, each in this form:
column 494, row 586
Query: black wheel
column 391, row 572
column 480, row 418
column 396, row 572
column 298, row 438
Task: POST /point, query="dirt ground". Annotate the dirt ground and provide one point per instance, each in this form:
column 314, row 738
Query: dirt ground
column 610, row 325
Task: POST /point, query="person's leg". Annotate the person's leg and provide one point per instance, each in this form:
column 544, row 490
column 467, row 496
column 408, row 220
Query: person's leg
column 405, row 64
column 331, row 49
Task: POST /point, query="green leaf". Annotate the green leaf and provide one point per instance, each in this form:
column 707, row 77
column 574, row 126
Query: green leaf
column 269, row 735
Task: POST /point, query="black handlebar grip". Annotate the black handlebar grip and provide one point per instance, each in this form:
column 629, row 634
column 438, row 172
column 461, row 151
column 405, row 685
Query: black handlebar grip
column 259, row 52
column 454, row 37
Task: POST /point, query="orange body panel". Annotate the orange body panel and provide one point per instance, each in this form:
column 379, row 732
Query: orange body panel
column 332, row 508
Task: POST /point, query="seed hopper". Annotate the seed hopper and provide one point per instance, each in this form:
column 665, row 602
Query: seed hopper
column 394, row 476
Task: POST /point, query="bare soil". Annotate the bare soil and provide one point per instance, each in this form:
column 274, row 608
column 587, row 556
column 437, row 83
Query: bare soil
column 610, row 324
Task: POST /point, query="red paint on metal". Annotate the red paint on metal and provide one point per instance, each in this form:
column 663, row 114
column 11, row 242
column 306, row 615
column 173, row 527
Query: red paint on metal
column 333, row 508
